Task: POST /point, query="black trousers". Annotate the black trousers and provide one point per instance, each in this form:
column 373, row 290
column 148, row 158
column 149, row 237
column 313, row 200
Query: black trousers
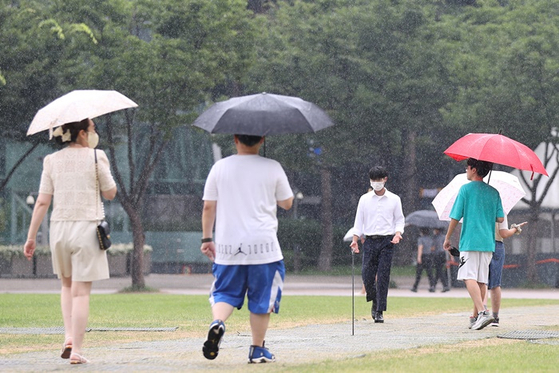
column 377, row 261
column 439, row 263
column 427, row 265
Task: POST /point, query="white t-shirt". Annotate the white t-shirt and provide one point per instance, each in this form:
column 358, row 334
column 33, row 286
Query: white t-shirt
column 499, row 226
column 247, row 189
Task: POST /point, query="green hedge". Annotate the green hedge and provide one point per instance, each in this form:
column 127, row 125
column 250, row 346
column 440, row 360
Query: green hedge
column 306, row 236
column 9, row 251
column 125, row 248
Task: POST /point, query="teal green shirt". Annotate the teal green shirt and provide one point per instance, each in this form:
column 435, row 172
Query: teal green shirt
column 479, row 205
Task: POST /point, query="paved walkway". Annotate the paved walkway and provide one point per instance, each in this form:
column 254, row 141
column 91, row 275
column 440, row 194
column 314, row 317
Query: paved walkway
column 294, row 285
column 320, row 341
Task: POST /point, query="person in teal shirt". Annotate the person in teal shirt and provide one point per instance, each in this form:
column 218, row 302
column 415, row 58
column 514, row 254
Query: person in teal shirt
column 479, row 206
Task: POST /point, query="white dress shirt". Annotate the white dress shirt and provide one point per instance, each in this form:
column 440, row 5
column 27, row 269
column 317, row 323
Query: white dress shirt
column 379, row 215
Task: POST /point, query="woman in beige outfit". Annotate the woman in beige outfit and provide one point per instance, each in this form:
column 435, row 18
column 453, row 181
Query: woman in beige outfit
column 69, row 181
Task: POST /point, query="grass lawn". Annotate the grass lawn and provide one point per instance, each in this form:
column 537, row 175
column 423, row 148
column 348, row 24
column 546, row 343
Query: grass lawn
column 490, row 355
column 346, row 271
column 191, row 314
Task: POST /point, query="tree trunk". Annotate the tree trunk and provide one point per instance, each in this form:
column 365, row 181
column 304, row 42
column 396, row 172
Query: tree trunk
column 327, row 242
column 131, row 196
column 531, row 271
column 139, row 239
column 410, row 197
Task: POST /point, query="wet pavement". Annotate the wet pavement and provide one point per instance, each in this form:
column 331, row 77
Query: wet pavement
column 294, row 285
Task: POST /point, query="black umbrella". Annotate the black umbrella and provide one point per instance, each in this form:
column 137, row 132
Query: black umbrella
column 426, row 219
column 263, row 114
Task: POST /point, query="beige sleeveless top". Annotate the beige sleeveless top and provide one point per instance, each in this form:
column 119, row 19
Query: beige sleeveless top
column 69, row 176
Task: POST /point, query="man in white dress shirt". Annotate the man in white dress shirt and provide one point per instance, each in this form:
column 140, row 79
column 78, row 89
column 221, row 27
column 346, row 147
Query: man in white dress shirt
column 380, row 219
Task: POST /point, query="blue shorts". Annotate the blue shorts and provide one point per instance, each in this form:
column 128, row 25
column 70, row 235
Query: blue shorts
column 496, row 266
column 261, row 283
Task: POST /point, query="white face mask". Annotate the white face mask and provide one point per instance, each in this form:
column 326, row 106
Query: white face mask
column 377, row 185
column 92, row 139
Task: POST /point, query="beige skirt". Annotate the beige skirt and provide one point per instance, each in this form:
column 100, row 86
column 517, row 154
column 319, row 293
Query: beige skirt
column 75, row 251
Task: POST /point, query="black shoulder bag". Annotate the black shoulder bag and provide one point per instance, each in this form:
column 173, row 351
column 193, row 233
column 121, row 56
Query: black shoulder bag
column 103, row 229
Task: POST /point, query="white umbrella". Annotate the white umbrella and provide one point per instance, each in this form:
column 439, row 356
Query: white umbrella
column 76, row 106
column 507, row 184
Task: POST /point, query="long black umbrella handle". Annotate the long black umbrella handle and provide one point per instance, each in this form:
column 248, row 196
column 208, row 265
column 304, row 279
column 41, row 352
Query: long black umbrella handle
column 352, row 292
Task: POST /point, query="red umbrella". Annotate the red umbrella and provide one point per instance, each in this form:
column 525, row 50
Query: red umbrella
column 496, row 148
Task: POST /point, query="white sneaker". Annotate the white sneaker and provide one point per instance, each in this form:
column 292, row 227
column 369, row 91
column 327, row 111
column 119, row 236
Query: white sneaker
column 483, row 319
column 472, row 321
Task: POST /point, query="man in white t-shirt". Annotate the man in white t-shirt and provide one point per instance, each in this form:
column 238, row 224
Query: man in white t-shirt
column 241, row 196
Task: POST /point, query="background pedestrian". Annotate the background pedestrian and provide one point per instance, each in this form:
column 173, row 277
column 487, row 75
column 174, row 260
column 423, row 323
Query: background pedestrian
column 440, row 257
column 424, row 259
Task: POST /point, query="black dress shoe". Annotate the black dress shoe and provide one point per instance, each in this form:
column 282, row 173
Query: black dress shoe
column 378, row 317
column 373, row 309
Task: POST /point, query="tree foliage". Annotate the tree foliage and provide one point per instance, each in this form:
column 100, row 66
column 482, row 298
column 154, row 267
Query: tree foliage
column 37, row 47
column 402, row 80
column 508, row 81
column 167, row 56
column 374, row 67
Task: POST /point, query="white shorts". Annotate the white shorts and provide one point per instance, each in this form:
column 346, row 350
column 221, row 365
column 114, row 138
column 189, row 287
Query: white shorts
column 75, row 251
column 474, row 265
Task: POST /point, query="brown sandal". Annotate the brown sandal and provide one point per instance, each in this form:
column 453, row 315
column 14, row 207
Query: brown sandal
column 78, row 359
column 66, row 349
